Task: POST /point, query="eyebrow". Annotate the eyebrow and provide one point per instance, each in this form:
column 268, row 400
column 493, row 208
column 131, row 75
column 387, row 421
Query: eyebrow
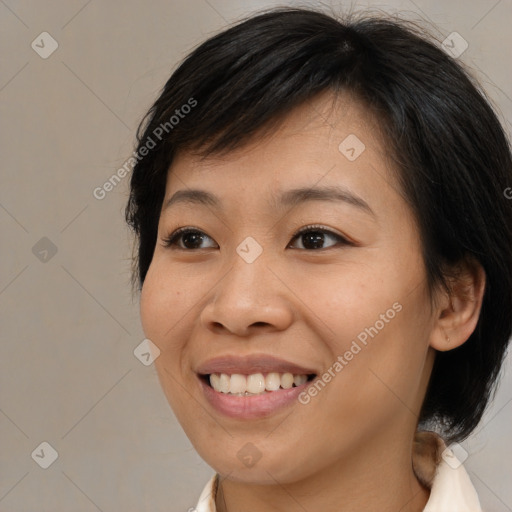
column 288, row 198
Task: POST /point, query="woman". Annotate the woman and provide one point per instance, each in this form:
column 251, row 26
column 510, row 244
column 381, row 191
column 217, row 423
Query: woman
column 324, row 262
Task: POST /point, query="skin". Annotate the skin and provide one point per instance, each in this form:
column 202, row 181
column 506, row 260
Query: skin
column 350, row 447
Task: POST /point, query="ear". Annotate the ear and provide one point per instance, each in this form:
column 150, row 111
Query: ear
column 458, row 310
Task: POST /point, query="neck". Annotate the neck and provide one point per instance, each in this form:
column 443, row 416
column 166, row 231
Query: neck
column 377, row 477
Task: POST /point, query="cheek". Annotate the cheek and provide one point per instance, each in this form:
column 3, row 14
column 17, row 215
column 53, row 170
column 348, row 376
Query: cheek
column 378, row 322
column 161, row 306
column 160, row 311
column 383, row 367
column 151, row 306
column 341, row 300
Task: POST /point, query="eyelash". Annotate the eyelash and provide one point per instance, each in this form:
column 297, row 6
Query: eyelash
column 170, row 241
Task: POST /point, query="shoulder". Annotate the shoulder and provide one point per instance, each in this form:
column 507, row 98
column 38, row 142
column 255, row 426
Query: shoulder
column 206, row 502
column 437, row 467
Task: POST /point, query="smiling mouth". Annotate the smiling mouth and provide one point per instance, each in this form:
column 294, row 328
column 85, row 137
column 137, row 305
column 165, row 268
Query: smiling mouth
column 255, row 384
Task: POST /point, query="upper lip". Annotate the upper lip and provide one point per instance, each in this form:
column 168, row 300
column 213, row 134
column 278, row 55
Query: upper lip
column 247, row 365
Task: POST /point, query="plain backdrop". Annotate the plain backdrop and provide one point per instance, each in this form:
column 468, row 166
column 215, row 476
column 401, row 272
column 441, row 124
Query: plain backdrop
column 69, row 327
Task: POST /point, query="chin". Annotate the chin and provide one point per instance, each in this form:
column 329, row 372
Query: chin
column 267, row 470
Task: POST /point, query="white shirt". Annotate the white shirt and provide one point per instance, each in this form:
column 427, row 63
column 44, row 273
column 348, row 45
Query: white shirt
column 435, row 466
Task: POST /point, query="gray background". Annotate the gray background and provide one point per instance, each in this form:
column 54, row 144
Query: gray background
column 69, row 326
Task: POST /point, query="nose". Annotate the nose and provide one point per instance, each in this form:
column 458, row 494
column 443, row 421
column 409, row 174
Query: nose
column 249, row 298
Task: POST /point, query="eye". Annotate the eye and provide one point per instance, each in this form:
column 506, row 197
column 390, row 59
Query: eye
column 314, row 237
column 189, row 236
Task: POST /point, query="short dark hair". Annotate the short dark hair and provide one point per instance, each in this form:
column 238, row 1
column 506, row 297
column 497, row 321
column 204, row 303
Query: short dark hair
column 452, row 155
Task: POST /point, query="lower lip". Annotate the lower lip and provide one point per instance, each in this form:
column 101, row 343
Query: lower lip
column 251, row 407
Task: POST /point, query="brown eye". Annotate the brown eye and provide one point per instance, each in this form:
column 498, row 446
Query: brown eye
column 313, row 238
column 191, row 239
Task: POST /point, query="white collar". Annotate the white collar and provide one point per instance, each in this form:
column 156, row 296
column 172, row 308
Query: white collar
column 435, row 465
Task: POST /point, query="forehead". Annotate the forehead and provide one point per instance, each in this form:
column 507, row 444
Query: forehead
column 329, row 140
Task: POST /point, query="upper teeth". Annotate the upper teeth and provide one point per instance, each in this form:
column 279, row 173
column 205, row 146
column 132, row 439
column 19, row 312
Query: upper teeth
column 255, row 383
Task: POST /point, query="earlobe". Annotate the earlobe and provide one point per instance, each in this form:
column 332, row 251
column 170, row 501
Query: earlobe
column 458, row 311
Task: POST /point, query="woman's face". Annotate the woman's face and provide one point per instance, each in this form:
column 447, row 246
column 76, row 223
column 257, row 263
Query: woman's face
column 346, row 300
